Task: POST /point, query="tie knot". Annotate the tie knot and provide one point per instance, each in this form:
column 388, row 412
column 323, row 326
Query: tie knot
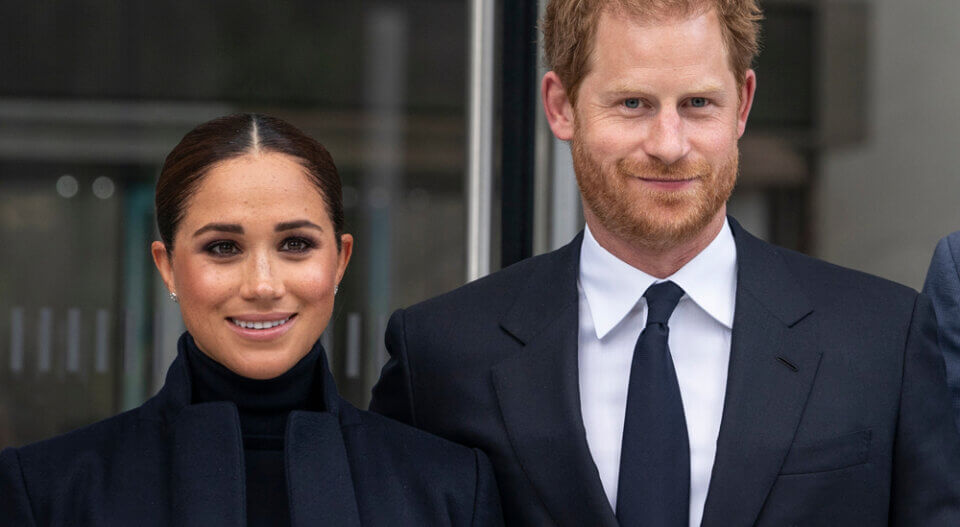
column 662, row 299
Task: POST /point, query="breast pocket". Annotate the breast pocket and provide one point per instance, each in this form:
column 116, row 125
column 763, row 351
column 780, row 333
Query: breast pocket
column 844, row 451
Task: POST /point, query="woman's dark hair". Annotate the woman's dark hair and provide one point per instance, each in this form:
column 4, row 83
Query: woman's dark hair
column 230, row 137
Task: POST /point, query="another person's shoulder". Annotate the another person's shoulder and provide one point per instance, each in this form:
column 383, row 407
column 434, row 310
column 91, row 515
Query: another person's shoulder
column 947, row 252
column 952, row 240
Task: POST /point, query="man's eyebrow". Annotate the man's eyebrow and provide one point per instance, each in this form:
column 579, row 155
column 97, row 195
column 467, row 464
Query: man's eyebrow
column 707, row 89
column 624, row 90
column 289, row 225
column 219, row 227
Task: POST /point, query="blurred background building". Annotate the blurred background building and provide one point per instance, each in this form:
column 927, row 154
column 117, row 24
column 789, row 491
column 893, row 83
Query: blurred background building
column 431, row 112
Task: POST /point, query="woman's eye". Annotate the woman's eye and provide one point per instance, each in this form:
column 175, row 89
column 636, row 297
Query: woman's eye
column 296, row 245
column 223, row 248
column 633, row 103
column 698, row 102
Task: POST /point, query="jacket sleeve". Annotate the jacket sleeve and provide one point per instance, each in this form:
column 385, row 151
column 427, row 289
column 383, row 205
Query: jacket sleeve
column 926, row 458
column 393, row 393
column 486, row 505
column 14, row 502
column 943, row 288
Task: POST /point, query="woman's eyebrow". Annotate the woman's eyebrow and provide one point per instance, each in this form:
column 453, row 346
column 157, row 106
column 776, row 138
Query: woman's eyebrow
column 289, row 225
column 220, row 227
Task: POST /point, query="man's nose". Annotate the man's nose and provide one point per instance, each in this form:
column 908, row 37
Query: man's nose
column 260, row 279
column 666, row 140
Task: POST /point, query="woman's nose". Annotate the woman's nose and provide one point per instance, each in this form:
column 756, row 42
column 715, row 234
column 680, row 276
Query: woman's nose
column 261, row 280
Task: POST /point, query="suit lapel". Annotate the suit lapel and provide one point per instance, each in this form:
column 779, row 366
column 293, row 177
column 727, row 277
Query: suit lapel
column 538, row 392
column 319, row 483
column 773, row 362
column 207, row 473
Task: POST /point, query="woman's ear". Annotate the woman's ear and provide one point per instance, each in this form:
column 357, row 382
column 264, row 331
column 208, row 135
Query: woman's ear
column 346, row 250
column 161, row 258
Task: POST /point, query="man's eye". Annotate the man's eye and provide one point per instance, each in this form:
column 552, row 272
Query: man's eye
column 632, row 103
column 295, row 245
column 223, row 248
column 698, row 102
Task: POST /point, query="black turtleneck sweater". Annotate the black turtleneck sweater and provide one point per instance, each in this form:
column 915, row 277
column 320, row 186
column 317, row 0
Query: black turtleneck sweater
column 263, row 407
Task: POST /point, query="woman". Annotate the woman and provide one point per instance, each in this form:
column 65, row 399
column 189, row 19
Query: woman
column 248, row 428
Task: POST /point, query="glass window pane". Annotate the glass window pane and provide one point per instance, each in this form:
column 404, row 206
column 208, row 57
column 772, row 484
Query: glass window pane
column 101, row 91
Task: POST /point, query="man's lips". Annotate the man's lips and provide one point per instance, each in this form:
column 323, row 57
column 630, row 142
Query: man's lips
column 668, row 184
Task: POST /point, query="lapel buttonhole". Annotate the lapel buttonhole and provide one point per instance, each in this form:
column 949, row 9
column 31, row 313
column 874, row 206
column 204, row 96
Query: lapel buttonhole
column 788, row 364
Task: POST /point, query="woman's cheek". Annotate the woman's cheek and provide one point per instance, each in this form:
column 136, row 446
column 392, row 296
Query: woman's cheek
column 317, row 285
column 318, row 280
column 213, row 281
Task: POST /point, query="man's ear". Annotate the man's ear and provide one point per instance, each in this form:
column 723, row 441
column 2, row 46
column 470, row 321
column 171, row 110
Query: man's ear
column 162, row 260
column 557, row 106
column 747, row 92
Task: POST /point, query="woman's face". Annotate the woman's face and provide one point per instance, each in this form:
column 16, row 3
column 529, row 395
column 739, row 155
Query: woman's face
column 255, row 264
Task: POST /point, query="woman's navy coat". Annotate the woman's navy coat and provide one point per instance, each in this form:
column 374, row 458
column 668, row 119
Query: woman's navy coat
column 170, row 462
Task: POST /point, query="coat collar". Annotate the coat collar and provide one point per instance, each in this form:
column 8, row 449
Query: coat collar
column 176, row 392
column 763, row 273
column 774, row 359
column 207, row 474
column 539, row 394
column 551, row 288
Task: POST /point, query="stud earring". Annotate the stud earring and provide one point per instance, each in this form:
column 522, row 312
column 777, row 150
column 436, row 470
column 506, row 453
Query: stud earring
column 335, row 289
column 173, row 296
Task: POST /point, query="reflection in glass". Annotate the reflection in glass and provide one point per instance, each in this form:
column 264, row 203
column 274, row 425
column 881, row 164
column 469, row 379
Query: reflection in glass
column 108, row 88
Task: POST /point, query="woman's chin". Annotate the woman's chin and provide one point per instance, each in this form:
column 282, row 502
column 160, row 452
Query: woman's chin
column 264, row 364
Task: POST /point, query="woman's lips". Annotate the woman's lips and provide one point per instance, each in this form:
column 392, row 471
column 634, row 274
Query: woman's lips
column 262, row 326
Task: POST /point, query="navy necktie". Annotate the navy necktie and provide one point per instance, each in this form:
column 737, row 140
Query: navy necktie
column 654, row 482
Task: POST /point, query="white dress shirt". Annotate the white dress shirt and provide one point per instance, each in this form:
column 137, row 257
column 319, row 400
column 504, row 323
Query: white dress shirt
column 612, row 314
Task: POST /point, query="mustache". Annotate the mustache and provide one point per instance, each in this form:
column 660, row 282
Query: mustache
column 656, row 169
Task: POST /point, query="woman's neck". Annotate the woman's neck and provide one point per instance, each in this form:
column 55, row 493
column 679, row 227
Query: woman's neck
column 263, row 404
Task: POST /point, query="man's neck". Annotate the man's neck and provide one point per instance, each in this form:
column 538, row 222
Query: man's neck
column 660, row 262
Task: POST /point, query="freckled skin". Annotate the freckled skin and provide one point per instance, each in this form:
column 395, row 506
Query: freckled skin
column 259, row 272
column 654, row 135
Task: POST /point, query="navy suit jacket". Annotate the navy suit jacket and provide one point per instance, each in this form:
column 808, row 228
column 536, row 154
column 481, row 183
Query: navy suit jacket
column 836, row 410
column 943, row 288
column 170, row 462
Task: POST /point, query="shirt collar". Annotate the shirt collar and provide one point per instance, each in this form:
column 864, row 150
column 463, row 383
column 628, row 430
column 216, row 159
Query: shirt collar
column 613, row 287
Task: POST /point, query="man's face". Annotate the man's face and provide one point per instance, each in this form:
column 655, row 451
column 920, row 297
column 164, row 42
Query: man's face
column 655, row 128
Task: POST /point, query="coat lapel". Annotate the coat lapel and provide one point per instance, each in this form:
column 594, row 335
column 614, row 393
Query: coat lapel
column 207, row 473
column 773, row 362
column 208, row 476
column 538, row 392
column 320, row 486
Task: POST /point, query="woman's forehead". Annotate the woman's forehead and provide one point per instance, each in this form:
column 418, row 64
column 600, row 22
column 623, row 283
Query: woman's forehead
column 255, row 187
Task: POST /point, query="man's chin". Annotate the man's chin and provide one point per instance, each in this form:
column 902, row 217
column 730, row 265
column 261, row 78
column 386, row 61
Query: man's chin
column 664, row 225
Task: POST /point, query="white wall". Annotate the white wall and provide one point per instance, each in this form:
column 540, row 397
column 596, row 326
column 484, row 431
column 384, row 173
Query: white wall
column 882, row 206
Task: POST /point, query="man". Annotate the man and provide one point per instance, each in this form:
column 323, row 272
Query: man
column 666, row 367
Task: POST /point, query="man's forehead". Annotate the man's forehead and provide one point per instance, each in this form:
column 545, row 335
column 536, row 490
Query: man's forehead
column 635, row 24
